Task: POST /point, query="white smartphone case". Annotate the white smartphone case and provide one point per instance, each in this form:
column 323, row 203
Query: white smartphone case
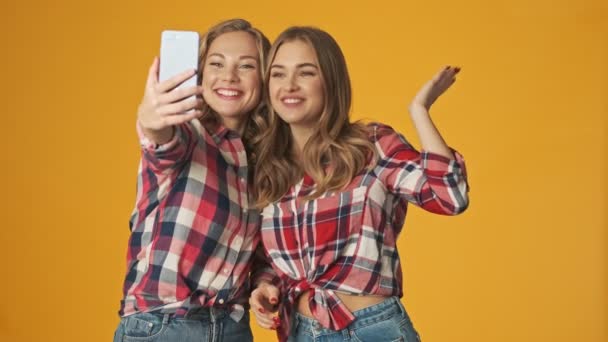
column 178, row 53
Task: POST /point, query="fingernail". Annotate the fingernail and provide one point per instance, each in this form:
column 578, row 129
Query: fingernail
column 276, row 320
column 273, row 300
column 262, row 310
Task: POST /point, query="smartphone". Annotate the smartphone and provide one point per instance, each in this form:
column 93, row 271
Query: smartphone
column 178, row 53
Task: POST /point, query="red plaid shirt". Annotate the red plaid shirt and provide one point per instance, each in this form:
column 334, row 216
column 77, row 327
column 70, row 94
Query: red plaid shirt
column 192, row 237
column 346, row 241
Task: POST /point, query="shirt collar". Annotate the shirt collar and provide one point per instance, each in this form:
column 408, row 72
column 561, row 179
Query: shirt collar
column 220, row 132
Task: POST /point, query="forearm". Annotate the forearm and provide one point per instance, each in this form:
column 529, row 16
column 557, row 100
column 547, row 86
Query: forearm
column 428, row 134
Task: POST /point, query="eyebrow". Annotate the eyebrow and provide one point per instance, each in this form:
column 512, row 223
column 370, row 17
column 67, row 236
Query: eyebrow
column 302, row 65
column 216, row 54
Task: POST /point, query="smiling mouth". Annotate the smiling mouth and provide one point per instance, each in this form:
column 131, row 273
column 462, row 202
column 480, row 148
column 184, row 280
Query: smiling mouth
column 292, row 100
column 228, row 94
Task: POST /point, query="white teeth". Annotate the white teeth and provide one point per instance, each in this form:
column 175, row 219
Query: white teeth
column 228, row 92
column 291, row 100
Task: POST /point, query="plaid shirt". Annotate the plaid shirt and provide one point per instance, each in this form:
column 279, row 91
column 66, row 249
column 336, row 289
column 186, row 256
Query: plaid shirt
column 191, row 238
column 346, row 241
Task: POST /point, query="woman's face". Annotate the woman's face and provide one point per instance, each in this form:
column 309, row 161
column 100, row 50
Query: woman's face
column 231, row 75
column 295, row 84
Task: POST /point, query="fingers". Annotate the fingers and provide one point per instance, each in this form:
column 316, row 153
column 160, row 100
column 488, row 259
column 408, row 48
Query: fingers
column 452, row 69
column 164, row 105
column 433, row 89
column 266, row 321
column 174, row 81
column 262, row 309
column 444, row 78
column 181, row 118
column 180, row 107
column 157, row 112
column 152, row 74
column 451, row 74
column 179, row 94
column 448, row 73
column 262, row 302
column 272, row 293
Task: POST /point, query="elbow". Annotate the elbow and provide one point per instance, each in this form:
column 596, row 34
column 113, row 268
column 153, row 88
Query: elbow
column 460, row 198
column 456, row 204
column 454, row 201
column 447, row 206
column 461, row 208
column 460, row 204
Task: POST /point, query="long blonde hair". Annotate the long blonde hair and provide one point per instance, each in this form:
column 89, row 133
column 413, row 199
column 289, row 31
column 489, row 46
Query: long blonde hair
column 335, row 153
column 263, row 45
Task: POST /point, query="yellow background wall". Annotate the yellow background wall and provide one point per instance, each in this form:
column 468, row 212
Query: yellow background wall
column 527, row 262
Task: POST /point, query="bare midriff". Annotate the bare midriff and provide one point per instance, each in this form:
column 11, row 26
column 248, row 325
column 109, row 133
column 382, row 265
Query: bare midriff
column 352, row 302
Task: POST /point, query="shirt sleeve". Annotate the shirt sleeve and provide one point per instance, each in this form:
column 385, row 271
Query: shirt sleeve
column 167, row 157
column 156, row 169
column 435, row 183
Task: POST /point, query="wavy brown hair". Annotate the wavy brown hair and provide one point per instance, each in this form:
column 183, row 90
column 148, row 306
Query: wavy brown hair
column 210, row 117
column 337, row 150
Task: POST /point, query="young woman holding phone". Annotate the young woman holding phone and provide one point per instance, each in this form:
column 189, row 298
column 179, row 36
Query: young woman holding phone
column 194, row 229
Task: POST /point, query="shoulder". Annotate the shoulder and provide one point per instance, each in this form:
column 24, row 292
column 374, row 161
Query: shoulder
column 385, row 137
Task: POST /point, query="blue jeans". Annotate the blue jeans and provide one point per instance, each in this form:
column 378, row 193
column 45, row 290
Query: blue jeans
column 204, row 324
column 386, row 321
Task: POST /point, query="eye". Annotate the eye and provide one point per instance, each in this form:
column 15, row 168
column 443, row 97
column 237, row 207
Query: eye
column 307, row 73
column 215, row 64
column 247, row 66
column 277, row 75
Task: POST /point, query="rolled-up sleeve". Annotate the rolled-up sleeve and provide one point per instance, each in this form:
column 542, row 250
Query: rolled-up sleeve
column 166, row 157
column 434, row 182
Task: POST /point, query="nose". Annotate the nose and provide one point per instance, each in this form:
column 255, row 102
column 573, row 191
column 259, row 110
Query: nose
column 229, row 75
column 292, row 84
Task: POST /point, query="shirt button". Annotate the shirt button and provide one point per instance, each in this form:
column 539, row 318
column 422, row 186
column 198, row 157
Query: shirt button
column 245, row 210
column 226, row 270
column 243, row 180
column 221, row 301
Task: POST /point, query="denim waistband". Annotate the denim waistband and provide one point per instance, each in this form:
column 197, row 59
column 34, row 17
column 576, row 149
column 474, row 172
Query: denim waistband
column 211, row 314
column 372, row 314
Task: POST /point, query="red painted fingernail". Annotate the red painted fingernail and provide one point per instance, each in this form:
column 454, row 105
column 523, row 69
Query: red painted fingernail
column 273, row 300
column 262, row 310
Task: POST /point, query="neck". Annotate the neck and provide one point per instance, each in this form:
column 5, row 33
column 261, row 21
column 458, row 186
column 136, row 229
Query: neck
column 235, row 124
column 300, row 136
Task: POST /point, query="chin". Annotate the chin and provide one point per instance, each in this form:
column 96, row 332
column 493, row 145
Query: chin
column 291, row 119
column 231, row 114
